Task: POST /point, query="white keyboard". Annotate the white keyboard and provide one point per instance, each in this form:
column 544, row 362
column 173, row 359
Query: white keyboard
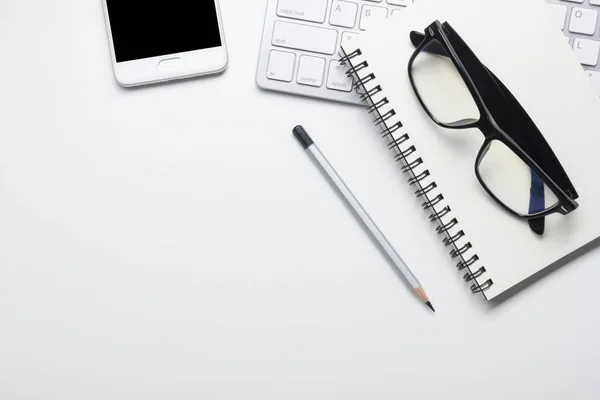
column 301, row 41
column 579, row 21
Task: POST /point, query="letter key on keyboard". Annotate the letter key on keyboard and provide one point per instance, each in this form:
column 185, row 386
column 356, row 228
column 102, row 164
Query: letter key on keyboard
column 583, row 20
column 343, row 13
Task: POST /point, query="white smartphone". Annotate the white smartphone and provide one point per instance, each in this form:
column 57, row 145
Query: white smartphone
column 168, row 40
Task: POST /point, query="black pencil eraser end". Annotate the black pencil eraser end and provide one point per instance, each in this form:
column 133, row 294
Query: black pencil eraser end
column 303, row 137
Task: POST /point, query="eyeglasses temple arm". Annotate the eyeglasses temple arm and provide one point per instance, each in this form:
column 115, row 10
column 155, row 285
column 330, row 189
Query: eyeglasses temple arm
column 537, row 203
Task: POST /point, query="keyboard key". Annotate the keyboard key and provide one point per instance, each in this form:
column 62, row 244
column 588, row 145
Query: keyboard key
column 560, row 14
column 587, row 50
column 595, row 2
column 399, row 2
column 305, row 10
column 311, row 70
column 343, row 13
column 371, row 16
column 281, row 66
column 337, row 79
column 346, row 37
column 583, row 20
column 304, row 37
column 595, row 77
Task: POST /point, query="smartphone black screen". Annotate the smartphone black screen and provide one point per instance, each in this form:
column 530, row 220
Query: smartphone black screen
column 143, row 29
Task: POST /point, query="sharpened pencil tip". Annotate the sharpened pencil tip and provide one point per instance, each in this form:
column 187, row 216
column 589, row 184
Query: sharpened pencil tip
column 421, row 295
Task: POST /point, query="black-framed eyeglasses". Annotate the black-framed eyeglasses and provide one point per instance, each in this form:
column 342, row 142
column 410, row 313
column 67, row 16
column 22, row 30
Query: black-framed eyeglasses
column 515, row 164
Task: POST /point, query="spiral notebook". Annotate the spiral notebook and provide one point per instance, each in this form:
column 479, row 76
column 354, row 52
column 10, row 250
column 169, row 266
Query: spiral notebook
column 495, row 250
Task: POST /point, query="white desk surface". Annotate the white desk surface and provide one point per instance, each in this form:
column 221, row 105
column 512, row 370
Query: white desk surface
column 175, row 242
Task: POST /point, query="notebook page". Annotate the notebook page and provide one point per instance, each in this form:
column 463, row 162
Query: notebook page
column 518, row 41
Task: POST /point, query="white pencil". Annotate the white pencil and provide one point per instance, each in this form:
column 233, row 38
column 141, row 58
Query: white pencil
column 328, row 169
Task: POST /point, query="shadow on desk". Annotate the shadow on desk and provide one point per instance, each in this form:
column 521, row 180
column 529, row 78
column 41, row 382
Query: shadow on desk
column 498, row 301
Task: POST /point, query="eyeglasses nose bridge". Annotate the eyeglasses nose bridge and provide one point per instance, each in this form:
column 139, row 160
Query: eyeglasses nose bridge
column 487, row 127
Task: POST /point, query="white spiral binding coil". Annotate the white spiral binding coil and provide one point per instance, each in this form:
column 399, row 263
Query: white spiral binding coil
column 399, row 141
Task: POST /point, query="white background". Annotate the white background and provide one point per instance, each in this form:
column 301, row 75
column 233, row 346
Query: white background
column 175, row 242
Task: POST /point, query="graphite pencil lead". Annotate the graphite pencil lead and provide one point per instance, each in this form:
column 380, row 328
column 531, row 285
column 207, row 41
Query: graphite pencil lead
column 430, row 306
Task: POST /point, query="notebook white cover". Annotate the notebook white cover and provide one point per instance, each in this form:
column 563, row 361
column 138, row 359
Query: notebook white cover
column 519, row 42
